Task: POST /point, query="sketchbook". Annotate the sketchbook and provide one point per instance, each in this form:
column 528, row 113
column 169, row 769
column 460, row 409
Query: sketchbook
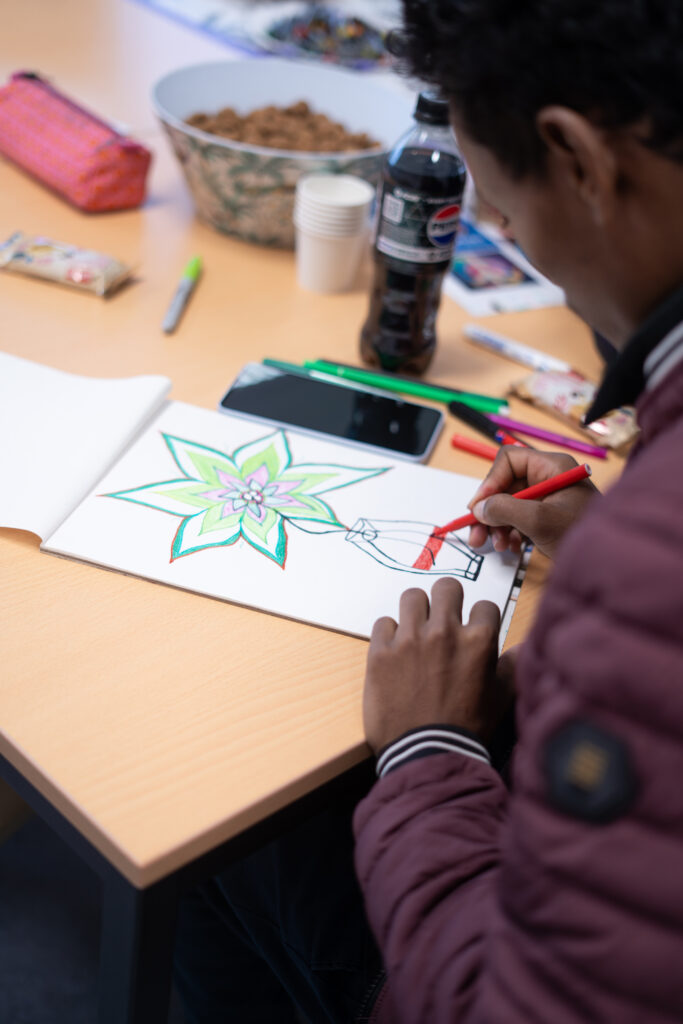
column 114, row 473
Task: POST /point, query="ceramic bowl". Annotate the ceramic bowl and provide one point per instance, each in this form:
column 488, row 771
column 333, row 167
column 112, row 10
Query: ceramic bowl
column 246, row 190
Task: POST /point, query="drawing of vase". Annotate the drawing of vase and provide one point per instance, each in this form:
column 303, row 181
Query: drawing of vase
column 410, row 546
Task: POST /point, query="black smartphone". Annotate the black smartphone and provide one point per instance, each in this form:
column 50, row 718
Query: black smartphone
column 341, row 411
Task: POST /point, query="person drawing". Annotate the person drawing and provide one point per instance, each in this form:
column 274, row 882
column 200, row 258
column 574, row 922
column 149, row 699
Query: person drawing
column 556, row 900
column 559, row 900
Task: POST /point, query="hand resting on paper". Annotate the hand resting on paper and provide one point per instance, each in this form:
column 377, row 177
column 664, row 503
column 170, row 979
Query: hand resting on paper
column 509, row 520
column 430, row 668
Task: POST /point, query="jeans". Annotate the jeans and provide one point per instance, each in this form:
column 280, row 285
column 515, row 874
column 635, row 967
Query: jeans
column 283, row 928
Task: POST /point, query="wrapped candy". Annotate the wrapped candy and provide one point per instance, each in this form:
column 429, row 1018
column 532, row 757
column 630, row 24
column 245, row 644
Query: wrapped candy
column 85, row 269
column 569, row 396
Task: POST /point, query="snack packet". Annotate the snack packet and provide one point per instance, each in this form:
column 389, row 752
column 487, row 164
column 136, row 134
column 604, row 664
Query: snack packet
column 569, row 396
column 57, row 261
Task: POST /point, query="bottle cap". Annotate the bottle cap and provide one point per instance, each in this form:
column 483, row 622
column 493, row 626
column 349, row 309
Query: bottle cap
column 431, row 108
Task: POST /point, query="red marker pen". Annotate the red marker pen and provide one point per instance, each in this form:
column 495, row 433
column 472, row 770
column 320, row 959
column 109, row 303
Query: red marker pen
column 469, row 444
column 555, row 483
column 427, row 556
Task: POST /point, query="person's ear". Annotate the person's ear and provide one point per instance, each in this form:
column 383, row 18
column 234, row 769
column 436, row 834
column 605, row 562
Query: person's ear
column 580, row 154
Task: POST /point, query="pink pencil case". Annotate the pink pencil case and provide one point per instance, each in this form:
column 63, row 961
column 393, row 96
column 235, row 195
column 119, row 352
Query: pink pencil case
column 69, row 149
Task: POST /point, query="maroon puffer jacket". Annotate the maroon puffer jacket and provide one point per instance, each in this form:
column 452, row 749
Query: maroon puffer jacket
column 562, row 901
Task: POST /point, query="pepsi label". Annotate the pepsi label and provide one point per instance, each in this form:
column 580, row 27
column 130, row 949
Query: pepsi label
column 416, row 228
column 442, row 226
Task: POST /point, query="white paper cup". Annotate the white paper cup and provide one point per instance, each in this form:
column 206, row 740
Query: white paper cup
column 328, row 264
column 344, row 222
column 339, row 202
column 342, row 193
column 331, row 213
column 319, row 225
column 305, row 202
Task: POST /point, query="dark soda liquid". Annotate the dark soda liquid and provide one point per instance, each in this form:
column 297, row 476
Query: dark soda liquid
column 416, row 170
column 400, row 331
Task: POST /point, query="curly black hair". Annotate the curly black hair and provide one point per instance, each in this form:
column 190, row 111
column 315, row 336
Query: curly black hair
column 618, row 62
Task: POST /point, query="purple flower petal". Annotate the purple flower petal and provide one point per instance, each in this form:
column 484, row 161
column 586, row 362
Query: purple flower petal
column 282, row 486
column 229, row 480
column 260, row 477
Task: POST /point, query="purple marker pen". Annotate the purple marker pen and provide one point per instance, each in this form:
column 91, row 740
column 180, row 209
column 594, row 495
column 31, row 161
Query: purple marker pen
column 548, row 435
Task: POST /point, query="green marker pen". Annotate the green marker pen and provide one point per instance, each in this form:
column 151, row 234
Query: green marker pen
column 483, row 403
column 181, row 296
column 278, row 364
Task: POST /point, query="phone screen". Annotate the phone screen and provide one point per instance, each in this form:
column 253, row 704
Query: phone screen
column 346, row 413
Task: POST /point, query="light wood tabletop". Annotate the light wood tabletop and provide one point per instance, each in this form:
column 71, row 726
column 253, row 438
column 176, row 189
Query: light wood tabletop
column 161, row 723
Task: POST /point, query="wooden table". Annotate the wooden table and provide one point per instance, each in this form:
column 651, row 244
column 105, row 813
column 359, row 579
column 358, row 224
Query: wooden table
column 152, row 726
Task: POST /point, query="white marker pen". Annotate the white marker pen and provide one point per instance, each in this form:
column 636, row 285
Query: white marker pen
column 514, row 350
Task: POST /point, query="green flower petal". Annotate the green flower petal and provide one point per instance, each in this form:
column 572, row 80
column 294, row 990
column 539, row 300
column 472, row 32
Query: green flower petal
column 189, row 537
column 215, row 520
column 271, row 451
column 320, row 478
column 268, row 537
column 198, row 462
column 178, row 497
column 261, row 530
column 315, row 508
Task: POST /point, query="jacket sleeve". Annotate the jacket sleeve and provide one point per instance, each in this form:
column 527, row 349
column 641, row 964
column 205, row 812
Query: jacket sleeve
column 427, row 858
column 493, row 906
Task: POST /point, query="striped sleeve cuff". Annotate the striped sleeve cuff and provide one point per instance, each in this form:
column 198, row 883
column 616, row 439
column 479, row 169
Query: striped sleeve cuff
column 427, row 740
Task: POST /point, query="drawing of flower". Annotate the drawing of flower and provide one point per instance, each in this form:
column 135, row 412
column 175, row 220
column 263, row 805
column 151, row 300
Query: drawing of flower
column 249, row 494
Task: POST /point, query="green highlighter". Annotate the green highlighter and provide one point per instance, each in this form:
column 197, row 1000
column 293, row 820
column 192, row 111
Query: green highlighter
column 181, row 296
column 389, row 382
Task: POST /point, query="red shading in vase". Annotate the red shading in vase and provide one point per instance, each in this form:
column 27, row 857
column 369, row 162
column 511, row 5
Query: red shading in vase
column 427, row 557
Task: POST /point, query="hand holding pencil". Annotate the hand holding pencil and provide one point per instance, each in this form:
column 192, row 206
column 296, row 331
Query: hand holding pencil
column 508, row 520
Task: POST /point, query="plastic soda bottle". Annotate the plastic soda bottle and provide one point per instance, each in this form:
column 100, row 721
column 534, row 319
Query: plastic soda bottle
column 417, row 220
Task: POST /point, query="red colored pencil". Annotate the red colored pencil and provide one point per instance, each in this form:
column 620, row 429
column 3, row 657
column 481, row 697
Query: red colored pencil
column 555, row 483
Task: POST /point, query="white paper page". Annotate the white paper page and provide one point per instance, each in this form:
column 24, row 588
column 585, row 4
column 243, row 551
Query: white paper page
column 331, row 575
column 60, row 432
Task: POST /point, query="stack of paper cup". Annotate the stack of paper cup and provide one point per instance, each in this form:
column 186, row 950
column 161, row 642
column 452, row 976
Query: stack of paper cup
column 331, row 217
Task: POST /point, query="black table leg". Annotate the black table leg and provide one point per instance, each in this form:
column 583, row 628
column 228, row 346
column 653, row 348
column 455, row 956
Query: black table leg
column 136, row 951
column 138, row 925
